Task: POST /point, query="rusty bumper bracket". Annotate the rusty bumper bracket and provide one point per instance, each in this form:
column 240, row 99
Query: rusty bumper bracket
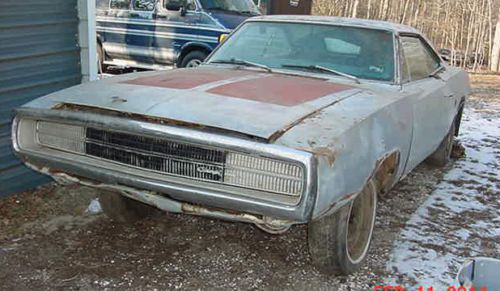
column 267, row 224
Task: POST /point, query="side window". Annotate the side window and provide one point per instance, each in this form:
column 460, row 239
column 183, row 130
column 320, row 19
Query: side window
column 102, row 5
column 190, row 5
column 120, row 4
column 144, row 5
column 405, row 70
column 420, row 61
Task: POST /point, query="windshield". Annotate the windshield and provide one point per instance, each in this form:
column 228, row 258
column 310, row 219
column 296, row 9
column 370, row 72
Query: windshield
column 359, row 52
column 240, row 6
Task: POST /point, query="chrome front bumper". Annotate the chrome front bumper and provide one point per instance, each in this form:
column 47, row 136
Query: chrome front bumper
column 95, row 172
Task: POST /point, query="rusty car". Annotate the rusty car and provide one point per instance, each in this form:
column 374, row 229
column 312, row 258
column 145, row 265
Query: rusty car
column 293, row 120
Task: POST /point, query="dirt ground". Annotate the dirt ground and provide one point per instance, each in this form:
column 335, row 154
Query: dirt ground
column 48, row 239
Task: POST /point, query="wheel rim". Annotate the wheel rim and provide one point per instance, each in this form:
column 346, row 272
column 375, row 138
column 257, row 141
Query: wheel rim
column 193, row 63
column 360, row 224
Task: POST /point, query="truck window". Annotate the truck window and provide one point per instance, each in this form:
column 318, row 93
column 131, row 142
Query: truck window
column 102, row 5
column 120, row 4
column 188, row 4
column 144, row 5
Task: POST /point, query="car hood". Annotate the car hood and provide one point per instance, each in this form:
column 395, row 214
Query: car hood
column 250, row 102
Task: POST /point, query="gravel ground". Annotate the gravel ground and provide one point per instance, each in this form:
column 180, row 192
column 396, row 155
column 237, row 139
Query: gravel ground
column 48, row 239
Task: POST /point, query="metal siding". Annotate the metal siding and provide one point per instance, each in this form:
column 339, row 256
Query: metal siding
column 39, row 54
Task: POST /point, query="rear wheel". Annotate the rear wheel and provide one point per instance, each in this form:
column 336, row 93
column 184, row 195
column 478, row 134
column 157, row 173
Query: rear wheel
column 193, row 59
column 123, row 209
column 442, row 155
column 339, row 243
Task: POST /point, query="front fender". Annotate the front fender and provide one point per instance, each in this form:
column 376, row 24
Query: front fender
column 352, row 140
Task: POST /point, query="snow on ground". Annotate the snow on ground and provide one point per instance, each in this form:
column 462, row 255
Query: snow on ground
column 461, row 217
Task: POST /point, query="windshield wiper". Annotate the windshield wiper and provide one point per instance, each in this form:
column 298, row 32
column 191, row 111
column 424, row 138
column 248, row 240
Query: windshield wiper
column 239, row 62
column 323, row 69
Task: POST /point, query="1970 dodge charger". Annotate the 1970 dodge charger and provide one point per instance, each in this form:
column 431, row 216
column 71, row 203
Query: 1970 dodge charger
column 294, row 119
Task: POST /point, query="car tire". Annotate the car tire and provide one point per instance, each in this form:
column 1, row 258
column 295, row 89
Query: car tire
column 101, row 67
column 123, row 209
column 442, row 155
column 339, row 242
column 193, row 59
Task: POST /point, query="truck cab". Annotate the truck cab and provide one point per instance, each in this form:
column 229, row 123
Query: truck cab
column 160, row 34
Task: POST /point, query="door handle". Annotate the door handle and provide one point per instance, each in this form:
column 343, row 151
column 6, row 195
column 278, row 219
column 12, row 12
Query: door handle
column 450, row 95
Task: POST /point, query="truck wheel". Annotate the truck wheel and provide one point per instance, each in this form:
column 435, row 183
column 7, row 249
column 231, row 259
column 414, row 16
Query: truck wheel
column 339, row 242
column 123, row 209
column 193, row 59
column 442, row 155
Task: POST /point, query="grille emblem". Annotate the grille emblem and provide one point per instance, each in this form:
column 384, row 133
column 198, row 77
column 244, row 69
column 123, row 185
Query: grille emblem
column 207, row 170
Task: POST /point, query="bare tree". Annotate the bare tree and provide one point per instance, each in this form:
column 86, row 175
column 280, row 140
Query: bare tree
column 469, row 28
column 495, row 51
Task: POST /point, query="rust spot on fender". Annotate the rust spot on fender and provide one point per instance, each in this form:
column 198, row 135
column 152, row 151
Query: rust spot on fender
column 327, row 153
column 385, row 171
column 336, row 205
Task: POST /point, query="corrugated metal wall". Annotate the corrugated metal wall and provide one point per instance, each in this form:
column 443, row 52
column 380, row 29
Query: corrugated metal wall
column 39, row 54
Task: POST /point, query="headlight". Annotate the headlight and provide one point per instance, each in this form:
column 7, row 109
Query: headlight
column 61, row 136
column 263, row 174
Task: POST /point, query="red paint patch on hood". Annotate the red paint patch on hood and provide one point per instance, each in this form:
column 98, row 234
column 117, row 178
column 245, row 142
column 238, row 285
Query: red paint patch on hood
column 187, row 79
column 279, row 89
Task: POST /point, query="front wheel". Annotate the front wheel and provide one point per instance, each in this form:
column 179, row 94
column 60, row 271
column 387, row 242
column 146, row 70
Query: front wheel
column 123, row 209
column 193, row 59
column 339, row 242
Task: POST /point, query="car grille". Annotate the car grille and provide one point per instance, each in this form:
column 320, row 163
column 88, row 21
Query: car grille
column 156, row 154
column 173, row 157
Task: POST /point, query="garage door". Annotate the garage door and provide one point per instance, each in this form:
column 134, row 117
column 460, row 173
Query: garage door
column 39, row 54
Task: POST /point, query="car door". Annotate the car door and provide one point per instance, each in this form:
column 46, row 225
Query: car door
column 176, row 26
column 431, row 98
column 140, row 37
column 112, row 26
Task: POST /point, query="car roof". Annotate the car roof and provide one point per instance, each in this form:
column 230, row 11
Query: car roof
column 331, row 20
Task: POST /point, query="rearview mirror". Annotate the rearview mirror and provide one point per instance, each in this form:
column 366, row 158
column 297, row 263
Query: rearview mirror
column 436, row 72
